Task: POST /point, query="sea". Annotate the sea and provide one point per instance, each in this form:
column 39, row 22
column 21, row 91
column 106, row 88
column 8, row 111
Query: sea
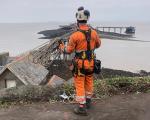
column 17, row 38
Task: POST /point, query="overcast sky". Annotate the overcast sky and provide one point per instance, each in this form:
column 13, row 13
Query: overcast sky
column 64, row 10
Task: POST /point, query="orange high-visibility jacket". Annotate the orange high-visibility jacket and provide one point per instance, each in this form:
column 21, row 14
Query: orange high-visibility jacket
column 78, row 43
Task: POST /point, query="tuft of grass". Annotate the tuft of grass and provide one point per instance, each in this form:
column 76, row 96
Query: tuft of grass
column 69, row 89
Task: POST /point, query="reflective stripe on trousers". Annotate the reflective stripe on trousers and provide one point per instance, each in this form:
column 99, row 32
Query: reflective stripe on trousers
column 84, row 87
column 81, row 99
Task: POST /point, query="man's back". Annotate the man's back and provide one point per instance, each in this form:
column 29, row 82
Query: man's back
column 78, row 40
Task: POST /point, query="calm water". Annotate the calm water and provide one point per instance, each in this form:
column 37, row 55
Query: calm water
column 133, row 56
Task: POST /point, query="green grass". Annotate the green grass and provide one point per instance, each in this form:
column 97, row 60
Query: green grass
column 118, row 85
column 102, row 88
column 121, row 85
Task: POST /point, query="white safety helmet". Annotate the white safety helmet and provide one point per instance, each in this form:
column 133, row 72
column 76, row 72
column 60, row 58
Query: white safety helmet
column 82, row 15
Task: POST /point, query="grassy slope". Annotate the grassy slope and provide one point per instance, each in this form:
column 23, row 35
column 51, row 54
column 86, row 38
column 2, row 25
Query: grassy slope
column 103, row 88
column 118, row 85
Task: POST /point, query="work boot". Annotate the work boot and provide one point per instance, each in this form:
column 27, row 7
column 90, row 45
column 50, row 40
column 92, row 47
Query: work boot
column 80, row 110
column 88, row 103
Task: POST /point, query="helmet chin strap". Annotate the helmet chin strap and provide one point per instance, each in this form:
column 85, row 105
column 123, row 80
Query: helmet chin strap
column 80, row 23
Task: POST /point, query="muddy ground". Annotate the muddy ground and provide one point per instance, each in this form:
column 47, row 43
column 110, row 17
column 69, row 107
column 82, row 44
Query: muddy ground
column 124, row 107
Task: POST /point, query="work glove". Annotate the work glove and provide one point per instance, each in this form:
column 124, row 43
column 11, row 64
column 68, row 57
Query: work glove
column 60, row 42
column 61, row 45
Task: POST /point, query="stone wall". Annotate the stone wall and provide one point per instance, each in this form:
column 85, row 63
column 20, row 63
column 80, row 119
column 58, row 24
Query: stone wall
column 4, row 58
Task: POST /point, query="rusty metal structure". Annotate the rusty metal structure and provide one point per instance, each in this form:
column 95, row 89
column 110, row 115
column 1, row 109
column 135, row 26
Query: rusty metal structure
column 46, row 53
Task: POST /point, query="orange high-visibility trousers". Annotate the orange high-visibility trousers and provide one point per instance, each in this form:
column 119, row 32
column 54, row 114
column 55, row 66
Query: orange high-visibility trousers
column 84, row 87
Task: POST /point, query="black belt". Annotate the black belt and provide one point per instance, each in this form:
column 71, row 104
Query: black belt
column 85, row 55
column 86, row 71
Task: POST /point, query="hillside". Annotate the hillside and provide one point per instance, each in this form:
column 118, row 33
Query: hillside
column 120, row 98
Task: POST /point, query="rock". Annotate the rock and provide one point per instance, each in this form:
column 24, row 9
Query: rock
column 55, row 81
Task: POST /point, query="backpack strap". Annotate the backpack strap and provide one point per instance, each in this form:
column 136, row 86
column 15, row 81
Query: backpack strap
column 87, row 34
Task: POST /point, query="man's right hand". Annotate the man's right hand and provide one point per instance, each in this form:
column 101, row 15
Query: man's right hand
column 60, row 42
column 61, row 46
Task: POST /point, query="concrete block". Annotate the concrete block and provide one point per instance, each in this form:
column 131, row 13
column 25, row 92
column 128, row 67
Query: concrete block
column 55, row 81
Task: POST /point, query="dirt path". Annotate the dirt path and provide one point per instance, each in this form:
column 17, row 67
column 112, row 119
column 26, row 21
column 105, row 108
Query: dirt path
column 129, row 107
